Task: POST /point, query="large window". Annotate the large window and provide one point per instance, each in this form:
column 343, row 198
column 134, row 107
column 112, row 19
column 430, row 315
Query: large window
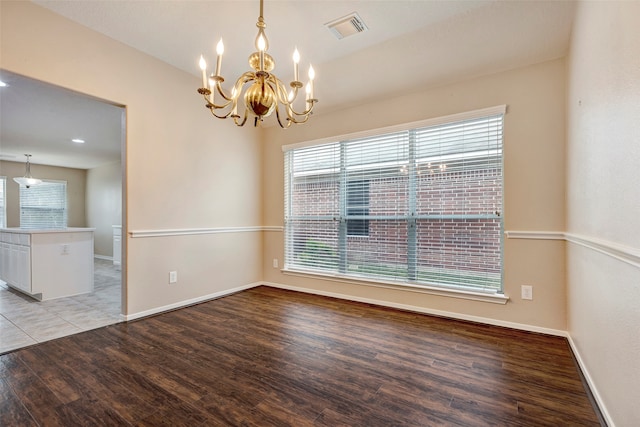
column 420, row 206
column 44, row 205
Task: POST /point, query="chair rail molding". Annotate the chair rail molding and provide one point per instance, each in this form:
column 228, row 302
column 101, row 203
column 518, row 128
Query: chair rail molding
column 535, row 235
column 620, row 252
column 134, row 234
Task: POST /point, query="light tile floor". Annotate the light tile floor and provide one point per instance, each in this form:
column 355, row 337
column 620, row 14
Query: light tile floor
column 25, row 321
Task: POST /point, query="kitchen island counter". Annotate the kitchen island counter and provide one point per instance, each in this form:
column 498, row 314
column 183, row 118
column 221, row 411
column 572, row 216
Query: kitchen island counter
column 47, row 263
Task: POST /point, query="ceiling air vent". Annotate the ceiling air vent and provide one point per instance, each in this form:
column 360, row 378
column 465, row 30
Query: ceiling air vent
column 347, row 26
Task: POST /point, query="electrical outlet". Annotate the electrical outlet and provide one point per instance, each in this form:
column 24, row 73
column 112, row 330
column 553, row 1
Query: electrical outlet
column 527, row 292
column 64, row 249
column 173, row 276
column 275, row 263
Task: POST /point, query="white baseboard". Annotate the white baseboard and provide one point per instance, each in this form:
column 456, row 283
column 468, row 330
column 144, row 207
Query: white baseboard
column 449, row 314
column 104, row 257
column 591, row 383
column 186, row 303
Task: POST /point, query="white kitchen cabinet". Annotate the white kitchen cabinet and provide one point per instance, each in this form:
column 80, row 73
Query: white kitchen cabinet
column 23, row 268
column 47, row 264
column 13, row 264
column 117, row 246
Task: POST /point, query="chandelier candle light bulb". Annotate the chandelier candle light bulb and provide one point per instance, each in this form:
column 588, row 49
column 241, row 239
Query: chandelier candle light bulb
column 219, row 51
column 296, row 61
column 203, row 67
column 264, row 93
column 261, row 47
column 312, row 75
column 211, row 87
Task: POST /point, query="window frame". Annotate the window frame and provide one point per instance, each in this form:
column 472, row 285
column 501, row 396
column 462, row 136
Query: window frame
column 411, row 275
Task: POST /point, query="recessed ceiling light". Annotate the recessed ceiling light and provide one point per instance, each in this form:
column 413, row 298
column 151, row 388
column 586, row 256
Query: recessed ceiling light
column 78, row 141
column 3, row 84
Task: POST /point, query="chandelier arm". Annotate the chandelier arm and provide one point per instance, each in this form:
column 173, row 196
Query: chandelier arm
column 248, row 76
column 235, row 119
column 295, row 94
column 282, row 95
column 207, row 96
column 294, row 117
column 293, row 97
column 298, row 122
column 221, row 92
column 244, row 78
column 215, row 106
column 224, row 116
column 292, row 114
column 281, row 91
column 305, row 112
column 280, row 121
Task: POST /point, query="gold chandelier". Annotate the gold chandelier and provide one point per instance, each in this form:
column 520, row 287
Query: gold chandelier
column 265, row 94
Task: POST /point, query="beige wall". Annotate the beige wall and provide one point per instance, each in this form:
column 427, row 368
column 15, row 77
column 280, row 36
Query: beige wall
column 603, row 183
column 184, row 169
column 104, row 205
column 534, row 147
column 75, row 190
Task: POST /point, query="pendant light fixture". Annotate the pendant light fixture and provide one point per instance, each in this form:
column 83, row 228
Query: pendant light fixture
column 265, row 92
column 27, row 180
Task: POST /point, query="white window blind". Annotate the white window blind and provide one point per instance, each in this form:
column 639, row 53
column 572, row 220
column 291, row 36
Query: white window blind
column 3, row 203
column 418, row 206
column 44, row 205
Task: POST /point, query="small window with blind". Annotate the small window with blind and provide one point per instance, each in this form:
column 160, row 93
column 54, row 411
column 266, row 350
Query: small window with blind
column 3, row 204
column 358, row 208
column 428, row 199
column 44, row 205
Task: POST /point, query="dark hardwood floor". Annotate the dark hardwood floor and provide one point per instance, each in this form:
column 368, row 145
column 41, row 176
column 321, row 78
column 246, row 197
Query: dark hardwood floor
column 269, row 357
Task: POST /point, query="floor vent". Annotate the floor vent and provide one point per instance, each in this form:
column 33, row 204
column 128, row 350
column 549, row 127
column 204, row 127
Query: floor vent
column 347, row 26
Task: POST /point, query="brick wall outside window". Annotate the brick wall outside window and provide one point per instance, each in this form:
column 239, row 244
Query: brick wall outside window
column 439, row 241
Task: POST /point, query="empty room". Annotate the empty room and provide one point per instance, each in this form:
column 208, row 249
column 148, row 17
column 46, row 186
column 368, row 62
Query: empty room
column 354, row 213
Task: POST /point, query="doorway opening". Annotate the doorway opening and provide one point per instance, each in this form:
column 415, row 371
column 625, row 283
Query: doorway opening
column 78, row 139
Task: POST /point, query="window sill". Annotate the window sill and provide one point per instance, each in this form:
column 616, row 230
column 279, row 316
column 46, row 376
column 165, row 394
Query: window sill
column 490, row 297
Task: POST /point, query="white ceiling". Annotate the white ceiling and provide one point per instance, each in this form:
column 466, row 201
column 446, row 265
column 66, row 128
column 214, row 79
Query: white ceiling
column 410, row 45
column 40, row 119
